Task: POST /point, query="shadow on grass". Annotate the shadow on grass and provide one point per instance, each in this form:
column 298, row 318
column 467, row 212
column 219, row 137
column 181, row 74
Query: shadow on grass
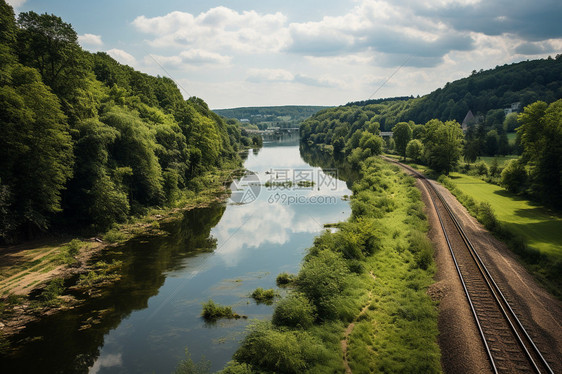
column 547, row 231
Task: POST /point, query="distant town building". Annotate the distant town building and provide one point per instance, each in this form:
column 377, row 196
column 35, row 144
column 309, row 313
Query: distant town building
column 244, row 120
column 514, row 108
column 386, row 134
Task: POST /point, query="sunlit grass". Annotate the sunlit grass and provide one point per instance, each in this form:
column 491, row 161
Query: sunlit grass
column 540, row 227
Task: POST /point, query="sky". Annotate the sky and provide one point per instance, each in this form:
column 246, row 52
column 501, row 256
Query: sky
column 234, row 53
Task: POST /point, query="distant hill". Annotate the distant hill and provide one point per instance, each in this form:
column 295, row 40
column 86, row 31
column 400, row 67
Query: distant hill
column 268, row 116
column 524, row 82
column 486, row 93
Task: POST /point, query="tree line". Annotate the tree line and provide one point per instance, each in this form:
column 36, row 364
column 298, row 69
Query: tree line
column 353, row 133
column 87, row 142
column 485, row 93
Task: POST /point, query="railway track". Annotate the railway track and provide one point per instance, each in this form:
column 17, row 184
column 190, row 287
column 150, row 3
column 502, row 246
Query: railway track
column 508, row 345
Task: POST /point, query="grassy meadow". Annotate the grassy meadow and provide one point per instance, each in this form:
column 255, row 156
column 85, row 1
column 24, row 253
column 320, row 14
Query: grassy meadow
column 540, row 227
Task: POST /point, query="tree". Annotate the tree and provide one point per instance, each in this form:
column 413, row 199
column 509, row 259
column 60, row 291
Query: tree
column 339, row 145
column 402, row 134
column 8, row 31
column 491, row 143
column 50, row 45
column 443, row 144
column 414, row 150
column 514, row 176
column 541, row 139
column 35, row 149
column 371, row 142
column 510, row 123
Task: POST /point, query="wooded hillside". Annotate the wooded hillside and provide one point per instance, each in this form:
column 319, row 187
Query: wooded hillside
column 87, row 141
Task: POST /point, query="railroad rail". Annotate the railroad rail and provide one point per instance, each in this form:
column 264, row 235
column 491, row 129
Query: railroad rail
column 509, row 347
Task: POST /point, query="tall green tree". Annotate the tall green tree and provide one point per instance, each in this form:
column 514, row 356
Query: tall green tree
column 541, row 139
column 414, row 150
column 402, row 134
column 50, row 45
column 443, row 145
column 35, row 149
column 8, row 32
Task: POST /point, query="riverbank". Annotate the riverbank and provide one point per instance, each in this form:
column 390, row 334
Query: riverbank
column 360, row 302
column 34, row 277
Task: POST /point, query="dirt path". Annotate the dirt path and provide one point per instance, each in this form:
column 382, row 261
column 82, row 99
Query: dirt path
column 461, row 346
column 350, row 327
column 31, row 265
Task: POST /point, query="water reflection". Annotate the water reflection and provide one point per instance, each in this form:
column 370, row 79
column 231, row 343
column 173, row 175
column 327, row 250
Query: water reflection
column 145, row 322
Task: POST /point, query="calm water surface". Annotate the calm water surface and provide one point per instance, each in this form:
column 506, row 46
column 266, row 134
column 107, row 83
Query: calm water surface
column 149, row 318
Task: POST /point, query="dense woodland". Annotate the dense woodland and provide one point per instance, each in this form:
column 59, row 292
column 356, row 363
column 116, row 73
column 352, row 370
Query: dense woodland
column 86, row 141
column 352, row 131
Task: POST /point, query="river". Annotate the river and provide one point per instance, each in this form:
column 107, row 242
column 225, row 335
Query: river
column 147, row 320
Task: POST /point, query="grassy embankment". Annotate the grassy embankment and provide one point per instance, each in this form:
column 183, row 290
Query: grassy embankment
column 364, row 285
column 530, row 230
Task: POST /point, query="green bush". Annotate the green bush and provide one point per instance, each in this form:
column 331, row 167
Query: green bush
column 414, row 150
column 54, row 289
column 74, row 246
column 487, row 217
column 279, row 350
column 294, row 311
column 212, row 311
column 114, row 236
column 322, row 279
column 421, row 248
column 263, row 296
column 514, row 176
column 482, row 168
column 285, row 279
column 187, row 366
column 233, row 367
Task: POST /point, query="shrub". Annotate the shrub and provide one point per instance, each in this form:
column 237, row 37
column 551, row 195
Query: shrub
column 414, row 150
column 212, row 311
column 187, row 366
column 285, row 279
column 279, row 350
column 487, row 217
column 294, row 311
column 74, row 246
column 233, row 367
column 322, row 279
column 482, row 168
column 53, row 290
column 114, row 236
column 263, row 296
column 514, row 176
column 421, row 248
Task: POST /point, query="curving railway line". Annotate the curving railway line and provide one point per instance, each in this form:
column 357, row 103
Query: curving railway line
column 508, row 345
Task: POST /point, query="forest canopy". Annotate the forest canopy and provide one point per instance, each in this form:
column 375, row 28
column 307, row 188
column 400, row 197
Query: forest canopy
column 86, row 141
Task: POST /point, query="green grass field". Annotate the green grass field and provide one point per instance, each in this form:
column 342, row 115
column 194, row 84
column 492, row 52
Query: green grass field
column 502, row 160
column 511, row 136
column 540, row 227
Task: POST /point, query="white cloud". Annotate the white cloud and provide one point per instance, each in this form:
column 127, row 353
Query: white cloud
column 16, row 3
column 270, row 75
column 90, row 39
column 190, row 58
column 106, row 361
column 218, row 28
column 122, row 56
column 302, row 62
